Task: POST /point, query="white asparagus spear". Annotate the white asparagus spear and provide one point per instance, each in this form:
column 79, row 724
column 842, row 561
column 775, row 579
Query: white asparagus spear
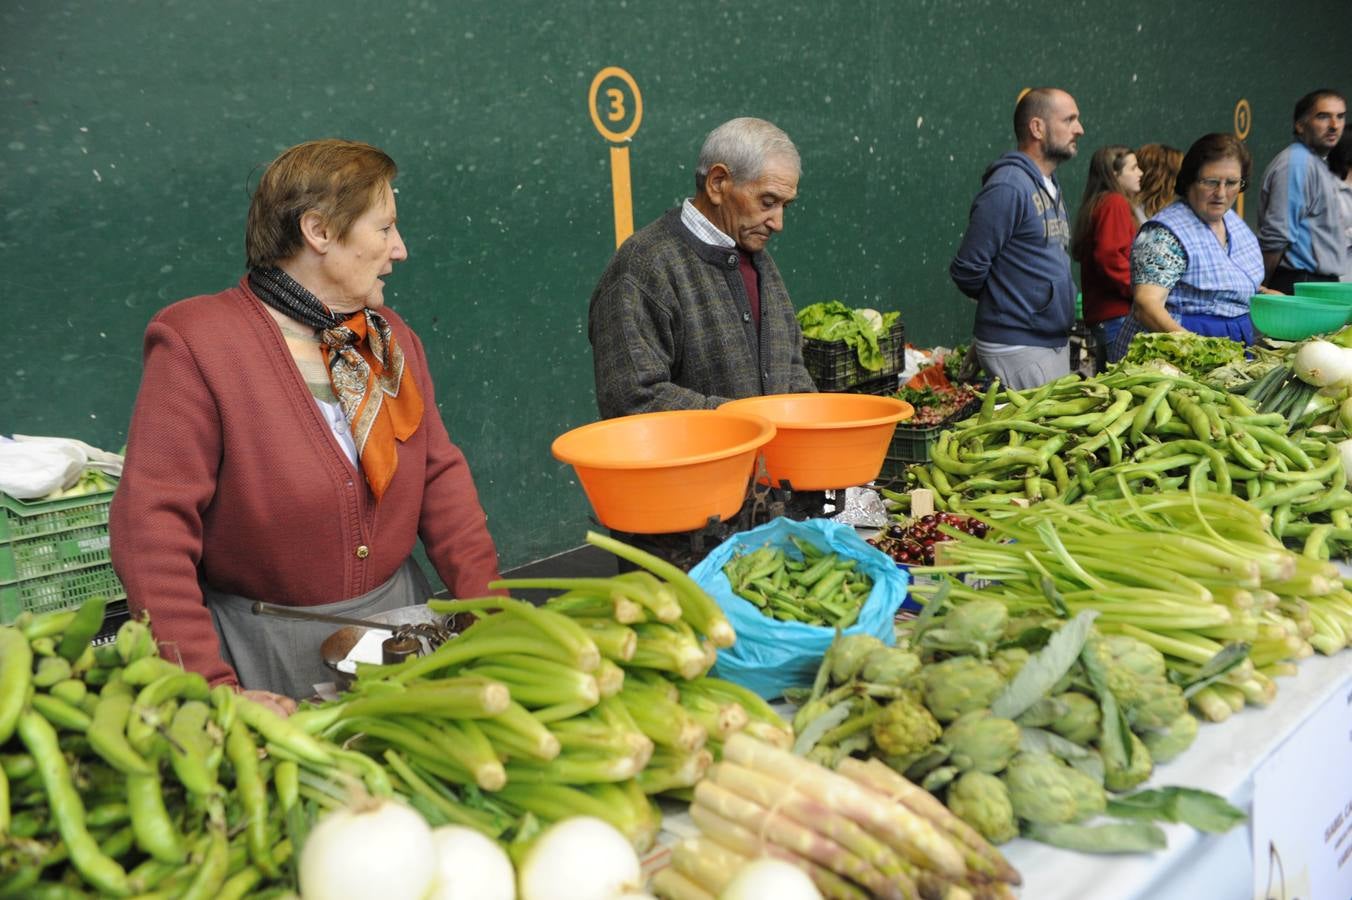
column 913, row 836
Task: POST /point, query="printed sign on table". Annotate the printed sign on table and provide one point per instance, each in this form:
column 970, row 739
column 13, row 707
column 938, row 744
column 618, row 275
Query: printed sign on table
column 1302, row 810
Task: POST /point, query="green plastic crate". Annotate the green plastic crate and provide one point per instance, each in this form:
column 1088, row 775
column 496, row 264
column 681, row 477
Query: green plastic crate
column 60, row 591
column 912, row 443
column 54, row 553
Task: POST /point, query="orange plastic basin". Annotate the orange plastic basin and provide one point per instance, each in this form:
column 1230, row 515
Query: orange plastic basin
column 826, row 441
column 664, row 472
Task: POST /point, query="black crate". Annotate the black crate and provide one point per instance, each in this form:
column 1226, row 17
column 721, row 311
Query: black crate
column 834, row 365
column 912, row 443
column 885, row 386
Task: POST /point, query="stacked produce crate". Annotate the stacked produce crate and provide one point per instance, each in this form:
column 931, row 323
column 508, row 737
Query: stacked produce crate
column 54, row 554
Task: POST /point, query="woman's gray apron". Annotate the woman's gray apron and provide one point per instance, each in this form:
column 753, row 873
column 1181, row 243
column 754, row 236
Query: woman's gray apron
column 282, row 655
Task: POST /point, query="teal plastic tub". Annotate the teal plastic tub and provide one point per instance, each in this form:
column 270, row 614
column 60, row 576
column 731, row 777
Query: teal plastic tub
column 1294, row 318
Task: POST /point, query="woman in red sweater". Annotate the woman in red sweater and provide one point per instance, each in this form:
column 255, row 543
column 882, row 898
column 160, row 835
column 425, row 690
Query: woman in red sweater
column 1101, row 243
column 286, row 444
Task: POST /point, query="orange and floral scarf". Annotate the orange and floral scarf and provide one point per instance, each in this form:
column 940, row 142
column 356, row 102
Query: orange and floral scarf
column 376, row 391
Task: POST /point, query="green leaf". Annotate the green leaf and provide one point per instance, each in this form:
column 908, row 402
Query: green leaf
column 1114, row 733
column 1038, row 740
column 1054, row 599
column 813, row 731
column 1123, row 837
column 1226, row 659
column 1044, row 669
column 1029, row 639
column 1202, row 810
column 932, row 606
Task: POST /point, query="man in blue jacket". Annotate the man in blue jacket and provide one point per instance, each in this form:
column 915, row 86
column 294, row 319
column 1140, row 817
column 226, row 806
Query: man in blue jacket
column 1014, row 260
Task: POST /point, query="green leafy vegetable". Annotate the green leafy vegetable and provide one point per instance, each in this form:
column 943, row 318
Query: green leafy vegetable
column 1125, row 837
column 1227, row 658
column 832, row 320
column 1042, row 671
column 1202, row 810
column 1194, row 354
column 1038, row 740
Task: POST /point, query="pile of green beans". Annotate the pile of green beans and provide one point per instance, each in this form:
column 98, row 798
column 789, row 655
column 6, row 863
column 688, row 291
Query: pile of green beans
column 121, row 774
column 817, row 588
column 1128, row 432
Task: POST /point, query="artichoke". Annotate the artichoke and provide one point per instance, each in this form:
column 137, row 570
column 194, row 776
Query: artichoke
column 1042, row 713
column 1041, row 790
column 981, row 742
column 982, row 801
column 1116, row 778
column 1138, row 678
column 1081, row 721
column 1172, row 740
column 1009, row 661
column 889, row 665
column 847, row 654
column 904, row 727
column 1090, row 798
column 973, row 627
column 959, row 685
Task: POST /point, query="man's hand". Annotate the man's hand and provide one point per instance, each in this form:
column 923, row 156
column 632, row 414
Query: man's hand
column 1264, row 289
column 278, row 703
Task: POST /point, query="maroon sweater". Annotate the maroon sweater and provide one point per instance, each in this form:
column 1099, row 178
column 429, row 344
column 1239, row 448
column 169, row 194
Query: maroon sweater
column 234, row 479
column 1105, row 277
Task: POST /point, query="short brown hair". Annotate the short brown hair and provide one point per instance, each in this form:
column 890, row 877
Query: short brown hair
column 1036, row 103
column 337, row 179
column 1207, row 149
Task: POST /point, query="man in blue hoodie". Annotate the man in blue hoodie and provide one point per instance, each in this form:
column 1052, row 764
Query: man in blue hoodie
column 1013, row 260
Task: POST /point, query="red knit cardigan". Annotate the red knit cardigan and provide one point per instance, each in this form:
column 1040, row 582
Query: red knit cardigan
column 234, row 479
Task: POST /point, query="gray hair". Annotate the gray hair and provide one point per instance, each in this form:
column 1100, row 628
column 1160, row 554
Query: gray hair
column 744, row 145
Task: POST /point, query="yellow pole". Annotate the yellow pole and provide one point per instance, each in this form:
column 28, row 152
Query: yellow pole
column 621, row 193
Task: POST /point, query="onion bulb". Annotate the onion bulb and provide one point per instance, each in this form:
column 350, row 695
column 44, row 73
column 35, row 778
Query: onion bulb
column 762, row 878
column 471, row 866
column 580, row 858
column 1345, row 450
column 1321, row 364
column 375, row 849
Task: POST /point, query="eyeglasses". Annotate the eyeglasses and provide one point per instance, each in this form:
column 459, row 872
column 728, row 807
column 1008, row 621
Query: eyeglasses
column 1230, row 184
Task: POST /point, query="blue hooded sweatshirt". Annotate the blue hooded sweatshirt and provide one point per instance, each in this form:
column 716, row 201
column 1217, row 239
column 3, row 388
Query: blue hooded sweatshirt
column 1013, row 259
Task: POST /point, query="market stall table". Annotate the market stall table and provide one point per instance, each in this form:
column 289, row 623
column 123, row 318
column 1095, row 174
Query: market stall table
column 1224, row 759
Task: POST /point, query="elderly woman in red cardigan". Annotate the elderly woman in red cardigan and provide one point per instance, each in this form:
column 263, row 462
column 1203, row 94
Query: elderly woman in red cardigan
column 286, row 446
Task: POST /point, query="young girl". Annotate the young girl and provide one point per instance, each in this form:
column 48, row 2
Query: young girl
column 1101, row 243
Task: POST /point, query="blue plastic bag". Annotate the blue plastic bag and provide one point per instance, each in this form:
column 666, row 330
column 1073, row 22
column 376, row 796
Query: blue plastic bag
column 769, row 655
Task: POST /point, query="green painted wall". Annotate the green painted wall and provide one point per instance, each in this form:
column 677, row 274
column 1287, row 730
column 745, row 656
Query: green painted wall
column 130, row 131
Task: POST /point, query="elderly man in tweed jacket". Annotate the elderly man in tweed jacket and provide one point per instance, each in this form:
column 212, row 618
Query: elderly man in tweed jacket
column 692, row 311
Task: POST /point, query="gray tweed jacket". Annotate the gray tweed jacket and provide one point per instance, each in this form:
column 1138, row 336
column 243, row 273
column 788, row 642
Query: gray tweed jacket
column 670, row 326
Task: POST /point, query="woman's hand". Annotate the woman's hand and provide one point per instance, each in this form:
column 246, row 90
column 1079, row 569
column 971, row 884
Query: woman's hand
column 1147, row 303
column 1264, row 289
column 278, row 703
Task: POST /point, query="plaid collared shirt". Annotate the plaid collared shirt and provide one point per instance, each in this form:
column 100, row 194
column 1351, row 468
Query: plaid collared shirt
column 702, row 228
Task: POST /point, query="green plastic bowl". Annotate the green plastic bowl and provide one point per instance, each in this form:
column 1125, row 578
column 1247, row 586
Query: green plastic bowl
column 1294, row 318
column 1340, row 291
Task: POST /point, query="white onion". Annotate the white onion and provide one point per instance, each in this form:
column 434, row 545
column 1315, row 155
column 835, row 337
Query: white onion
column 580, row 858
column 1321, row 363
column 376, row 849
column 1345, row 450
column 471, row 866
column 765, row 878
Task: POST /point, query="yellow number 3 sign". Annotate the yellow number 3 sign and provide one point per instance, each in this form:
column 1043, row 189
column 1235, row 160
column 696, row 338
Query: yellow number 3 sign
column 616, row 110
